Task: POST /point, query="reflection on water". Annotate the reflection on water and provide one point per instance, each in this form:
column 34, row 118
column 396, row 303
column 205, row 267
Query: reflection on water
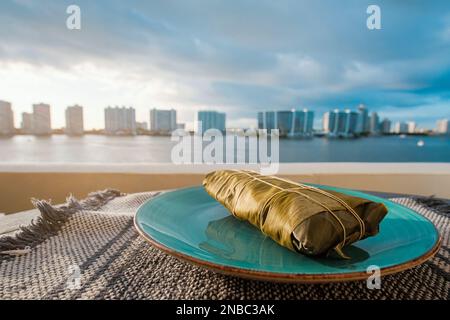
column 238, row 240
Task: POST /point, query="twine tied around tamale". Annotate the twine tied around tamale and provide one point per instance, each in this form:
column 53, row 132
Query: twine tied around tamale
column 339, row 247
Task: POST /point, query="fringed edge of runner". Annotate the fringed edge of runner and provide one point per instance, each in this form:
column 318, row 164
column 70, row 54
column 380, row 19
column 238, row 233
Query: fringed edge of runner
column 50, row 221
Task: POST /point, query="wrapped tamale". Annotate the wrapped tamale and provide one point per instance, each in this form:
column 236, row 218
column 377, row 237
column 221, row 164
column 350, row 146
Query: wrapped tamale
column 302, row 218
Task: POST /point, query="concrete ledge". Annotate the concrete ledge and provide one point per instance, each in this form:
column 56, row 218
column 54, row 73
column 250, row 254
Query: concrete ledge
column 19, row 183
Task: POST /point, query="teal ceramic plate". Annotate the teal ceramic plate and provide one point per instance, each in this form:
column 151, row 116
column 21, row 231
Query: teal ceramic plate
column 192, row 226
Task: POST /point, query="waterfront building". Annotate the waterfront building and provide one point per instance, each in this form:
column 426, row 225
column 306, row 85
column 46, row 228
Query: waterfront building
column 303, row 122
column 329, row 121
column 299, row 123
column 210, row 120
column 363, row 123
column 340, row 123
column 261, row 120
column 443, row 126
column 41, row 119
column 268, row 120
column 400, row 127
column 120, row 120
column 289, row 123
column 374, row 123
column 74, row 120
column 6, row 118
column 340, row 118
column 27, row 123
column 271, row 120
column 412, row 127
column 163, row 121
column 284, row 122
column 385, row 126
column 351, row 122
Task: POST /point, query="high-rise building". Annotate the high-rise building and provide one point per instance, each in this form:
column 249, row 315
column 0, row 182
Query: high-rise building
column 385, row 126
column 401, row 127
column 299, row 126
column 308, row 121
column 74, row 120
column 267, row 120
column 329, row 121
column 289, row 123
column 374, row 123
column 340, row 122
column 163, row 121
column 120, row 120
column 412, row 127
column 363, row 125
column 351, row 122
column 271, row 120
column 6, row 118
column 41, row 119
column 284, row 122
column 27, row 123
column 261, row 120
column 210, row 120
column 443, row 126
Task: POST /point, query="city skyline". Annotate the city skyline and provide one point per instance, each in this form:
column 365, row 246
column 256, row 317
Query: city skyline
column 294, row 122
column 190, row 122
column 189, row 57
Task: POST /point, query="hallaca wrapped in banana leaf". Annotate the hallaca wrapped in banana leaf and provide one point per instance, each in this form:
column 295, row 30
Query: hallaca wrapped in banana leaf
column 302, row 218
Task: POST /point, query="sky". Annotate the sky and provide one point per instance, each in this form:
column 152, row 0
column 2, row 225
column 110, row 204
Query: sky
column 238, row 57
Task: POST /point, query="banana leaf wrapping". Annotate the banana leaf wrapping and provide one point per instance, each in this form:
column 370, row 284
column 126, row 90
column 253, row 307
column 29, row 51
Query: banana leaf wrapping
column 299, row 217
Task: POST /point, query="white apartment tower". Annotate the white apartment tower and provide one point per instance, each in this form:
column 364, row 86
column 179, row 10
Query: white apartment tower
column 41, row 119
column 401, row 127
column 27, row 123
column 163, row 121
column 120, row 120
column 74, row 120
column 412, row 127
column 443, row 126
column 6, row 118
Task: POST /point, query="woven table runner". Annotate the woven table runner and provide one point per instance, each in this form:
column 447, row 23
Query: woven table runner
column 89, row 249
